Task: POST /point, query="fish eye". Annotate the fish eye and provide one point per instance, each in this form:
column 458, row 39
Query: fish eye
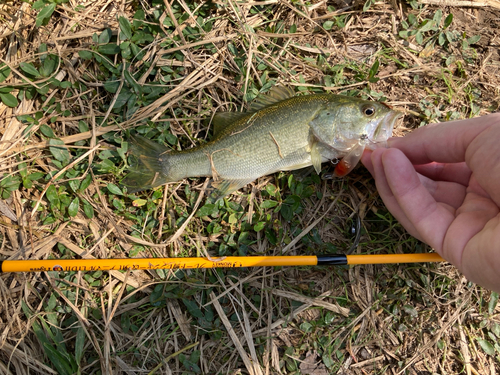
column 368, row 111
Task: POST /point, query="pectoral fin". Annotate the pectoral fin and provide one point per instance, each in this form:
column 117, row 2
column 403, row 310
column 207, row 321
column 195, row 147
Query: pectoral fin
column 316, row 157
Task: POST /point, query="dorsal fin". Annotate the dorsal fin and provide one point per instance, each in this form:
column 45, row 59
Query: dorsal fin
column 275, row 95
column 223, row 119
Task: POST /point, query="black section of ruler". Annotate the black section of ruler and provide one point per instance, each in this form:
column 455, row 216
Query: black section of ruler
column 332, row 260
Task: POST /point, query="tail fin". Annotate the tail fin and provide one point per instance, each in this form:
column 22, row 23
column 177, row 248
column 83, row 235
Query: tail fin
column 148, row 166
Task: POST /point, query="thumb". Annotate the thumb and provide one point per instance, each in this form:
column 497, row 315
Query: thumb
column 366, row 159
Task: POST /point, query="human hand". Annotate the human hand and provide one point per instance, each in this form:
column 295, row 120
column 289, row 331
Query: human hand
column 442, row 183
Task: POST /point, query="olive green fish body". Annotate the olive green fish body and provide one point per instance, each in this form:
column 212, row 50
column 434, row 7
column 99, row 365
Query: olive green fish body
column 285, row 134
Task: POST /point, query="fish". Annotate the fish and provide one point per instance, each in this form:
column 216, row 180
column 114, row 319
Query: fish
column 279, row 132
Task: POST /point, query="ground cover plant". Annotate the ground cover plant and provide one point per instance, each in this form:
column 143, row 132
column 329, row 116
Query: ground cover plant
column 78, row 78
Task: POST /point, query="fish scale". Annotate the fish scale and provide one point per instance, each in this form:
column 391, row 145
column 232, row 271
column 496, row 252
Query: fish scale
column 280, row 132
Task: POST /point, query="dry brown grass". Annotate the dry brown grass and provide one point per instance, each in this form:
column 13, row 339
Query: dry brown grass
column 363, row 320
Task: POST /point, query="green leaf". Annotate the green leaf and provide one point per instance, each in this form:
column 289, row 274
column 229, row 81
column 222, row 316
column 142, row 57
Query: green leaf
column 495, row 328
column 487, row 346
column 403, row 34
column 126, row 51
column 105, row 36
column 269, row 204
column 122, row 151
column 62, row 365
column 23, row 170
column 45, row 14
column 4, row 72
column 207, row 210
column 74, row 185
column 43, row 90
column 47, row 131
column 29, row 69
column 60, row 153
column 137, row 51
column 122, row 98
column 140, row 15
column 85, row 182
column 106, row 166
column 195, row 356
column 132, row 82
column 49, row 65
column 109, row 49
column 125, row 27
column 441, row 39
column 52, row 303
column 119, row 204
column 426, row 25
column 448, row 20
column 52, row 195
column 60, row 362
column 39, row 4
column 172, row 139
column 114, row 189
column 473, row 39
column 271, row 190
column 191, row 366
column 419, row 38
column 88, row 210
column 73, row 207
column 79, row 344
column 86, row 55
column 259, row 226
column 140, row 37
column 156, row 298
column 493, row 302
column 412, row 19
column 328, row 25
column 450, row 36
column 437, row 16
column 193, row 308
column 373, row 71
column 10, row 183
column 139, row 202
column 83, row 126
column 111, row 86
column 368, row 4
column 9, row 100
column 410, row 310
column 42, row 49
column 36, row 176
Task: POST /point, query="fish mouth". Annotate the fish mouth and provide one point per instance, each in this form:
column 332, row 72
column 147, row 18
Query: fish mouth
column 384, row 130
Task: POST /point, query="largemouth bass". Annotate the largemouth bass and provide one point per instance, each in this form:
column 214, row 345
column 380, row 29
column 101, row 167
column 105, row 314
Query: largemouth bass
column 280, row 132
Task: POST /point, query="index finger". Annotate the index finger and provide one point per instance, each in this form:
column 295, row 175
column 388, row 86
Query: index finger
column 445, row 142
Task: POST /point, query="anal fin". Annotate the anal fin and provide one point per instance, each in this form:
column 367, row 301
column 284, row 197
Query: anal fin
column 224, row 187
